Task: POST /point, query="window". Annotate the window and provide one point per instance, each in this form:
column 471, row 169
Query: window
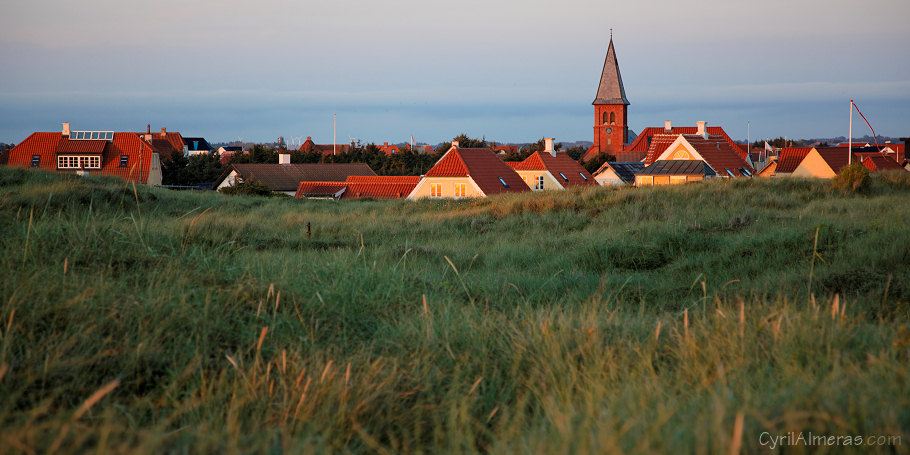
column 195, row 145
column 36, row 160
column 609, row 141
column 729, row 173
column 612, row 118
column 564, row 178
column 539, row 185
column 92, row 135
column 460, row 190
column 78, row 162
column 583, row 176
column 745, row 172
column 605, row 118
column 436, row 190
column 124, row 160
column 504, row 184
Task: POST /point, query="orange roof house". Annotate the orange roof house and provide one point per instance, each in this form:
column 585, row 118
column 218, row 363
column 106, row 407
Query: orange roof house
column 724, row 159
column 652, row 141
column 125, row 155
column 388, row 149
column 552, row 170
column 468, row 172
column 822, row 162
column 786, row 162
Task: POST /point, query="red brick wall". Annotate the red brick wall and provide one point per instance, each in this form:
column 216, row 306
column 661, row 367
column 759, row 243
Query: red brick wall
column 610, row 142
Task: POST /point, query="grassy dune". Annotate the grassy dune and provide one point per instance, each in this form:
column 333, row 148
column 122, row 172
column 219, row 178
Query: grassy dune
column 684, row 319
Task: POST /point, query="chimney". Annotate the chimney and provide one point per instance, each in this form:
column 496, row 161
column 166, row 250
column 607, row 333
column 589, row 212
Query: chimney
column 455, row 144
column 163, row 132
column 284, row 158
column 66, row 130
column 702, row 130
column 548, row 146
column 668, row 127
column 148, row 128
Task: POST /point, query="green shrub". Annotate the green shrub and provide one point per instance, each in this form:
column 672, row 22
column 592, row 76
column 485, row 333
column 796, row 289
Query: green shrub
column 251, row 188
column 853, row 177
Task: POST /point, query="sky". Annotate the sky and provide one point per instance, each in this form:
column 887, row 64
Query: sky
column 506, row 70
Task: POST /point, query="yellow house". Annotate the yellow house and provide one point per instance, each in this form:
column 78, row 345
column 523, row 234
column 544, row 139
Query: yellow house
column 468, row 172
column 552, row 170
column 822, row 162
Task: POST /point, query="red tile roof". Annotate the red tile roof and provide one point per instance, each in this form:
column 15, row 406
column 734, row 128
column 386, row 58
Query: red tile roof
column 378, row 190
column 83, row 147
column 789, row 158
column 659, row 144
column 383, row 179
column 878, row 163
column 835, row 157
column 388, row 149
column 357, row 190
column 721, row 156
column 48, row 145
column 173, row 138
column 483, row 166
column 562, row 167
column 642, row 143
column 319, row 189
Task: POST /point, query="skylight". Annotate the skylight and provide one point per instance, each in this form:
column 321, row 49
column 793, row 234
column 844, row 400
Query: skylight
column 503, row 182
column 745, row 171
column 564, row 177
column 729, row 173
column 583, row 176
column 92, row 135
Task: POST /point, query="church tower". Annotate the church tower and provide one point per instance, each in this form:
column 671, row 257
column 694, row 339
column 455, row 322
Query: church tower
column 611, row 131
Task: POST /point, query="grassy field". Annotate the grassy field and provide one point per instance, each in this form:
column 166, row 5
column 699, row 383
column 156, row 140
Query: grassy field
column 702, row 318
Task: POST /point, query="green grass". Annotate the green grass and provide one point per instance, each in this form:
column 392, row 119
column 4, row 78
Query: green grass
column 137, row 320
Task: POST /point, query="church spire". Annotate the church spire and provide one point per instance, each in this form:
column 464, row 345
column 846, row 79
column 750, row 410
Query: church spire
column 610, row 90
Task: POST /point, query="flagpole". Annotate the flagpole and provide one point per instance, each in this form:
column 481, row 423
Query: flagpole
column 334, row 129
column 850, row 139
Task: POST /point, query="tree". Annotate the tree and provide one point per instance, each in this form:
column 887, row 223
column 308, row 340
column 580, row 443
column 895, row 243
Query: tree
column 595, row 163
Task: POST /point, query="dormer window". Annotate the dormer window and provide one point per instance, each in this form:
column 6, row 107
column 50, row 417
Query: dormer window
column 36, row 160
column 124, row 160
column 78, row 162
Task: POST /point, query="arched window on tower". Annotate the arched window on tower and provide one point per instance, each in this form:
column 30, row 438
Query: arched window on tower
column 612, row 118
column 605, row 118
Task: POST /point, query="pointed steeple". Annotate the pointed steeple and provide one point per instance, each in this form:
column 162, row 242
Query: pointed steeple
column 610, row 90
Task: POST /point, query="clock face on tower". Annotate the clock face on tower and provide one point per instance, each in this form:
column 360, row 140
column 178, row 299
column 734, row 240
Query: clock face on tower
column 609, row 130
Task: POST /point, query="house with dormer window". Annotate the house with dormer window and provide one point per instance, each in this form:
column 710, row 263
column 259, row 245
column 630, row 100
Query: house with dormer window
column 552, row 170
column 125, row 155
column 468, row 172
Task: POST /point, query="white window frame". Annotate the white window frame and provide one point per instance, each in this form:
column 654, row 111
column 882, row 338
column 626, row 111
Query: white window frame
column 78, row 162
column 539, row 184
column 461, row 189
column 436, row 190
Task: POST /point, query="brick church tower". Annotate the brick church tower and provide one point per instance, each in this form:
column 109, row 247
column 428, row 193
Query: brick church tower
column 611, row 130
